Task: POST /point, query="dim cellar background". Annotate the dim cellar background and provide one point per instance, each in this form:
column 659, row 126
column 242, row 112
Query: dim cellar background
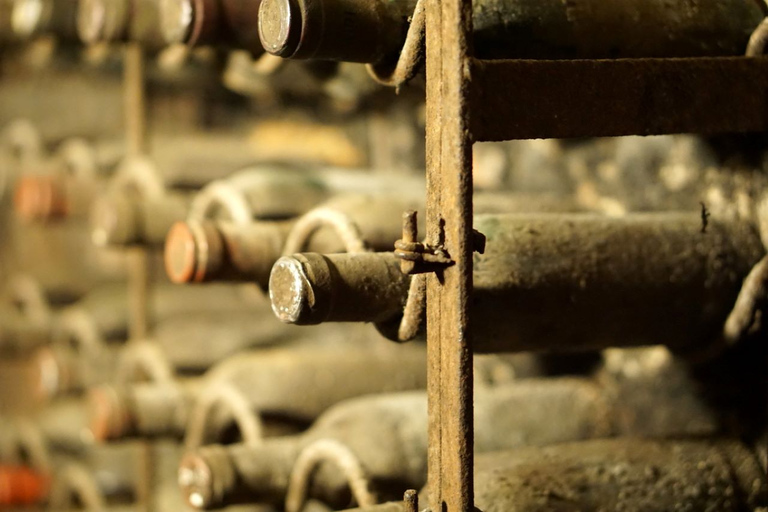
column 384, row 256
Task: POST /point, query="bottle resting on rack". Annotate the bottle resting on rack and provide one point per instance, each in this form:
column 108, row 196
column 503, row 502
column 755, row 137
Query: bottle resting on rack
column 387, row 435
column 551, row 282
column 375, row 31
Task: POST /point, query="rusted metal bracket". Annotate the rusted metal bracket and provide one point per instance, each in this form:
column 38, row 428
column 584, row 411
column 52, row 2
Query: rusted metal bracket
column 418, row 257
column 449, row 227
column 525, row 99
column 139, row 281
column 422, row 258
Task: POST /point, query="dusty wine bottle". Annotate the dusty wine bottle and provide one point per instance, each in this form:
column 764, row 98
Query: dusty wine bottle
column 553, row 282
column 120, row 220
column 374, row 31
column 119, row 20
column 387, row 436
column 616, row 474
column 290, row 382
column 205, row 251
column 30, row 18
column 228, row 23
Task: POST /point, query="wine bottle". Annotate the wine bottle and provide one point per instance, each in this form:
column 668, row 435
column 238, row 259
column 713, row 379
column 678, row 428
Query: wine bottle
column 226, row 251
column 293, row 383
column 615, row 474
column 552, row 282
column 387, row 436
column 374, row 32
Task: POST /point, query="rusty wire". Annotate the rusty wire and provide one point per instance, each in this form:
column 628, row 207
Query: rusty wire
column 222, row 396
column 223, row 195
column 411, row 56
column 27, row 294
column 75, row 327
column 310, row 458
column 758, row 40
column 137, row 174
column 77, row 159
column 228, row 197
column 26, row 439
column 75, row 481
column 751, row 305
column 312, row 221
column 415, row 309
column 143, row 360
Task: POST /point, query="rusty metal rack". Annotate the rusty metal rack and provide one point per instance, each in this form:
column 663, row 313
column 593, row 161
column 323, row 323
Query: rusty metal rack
column 471, row 100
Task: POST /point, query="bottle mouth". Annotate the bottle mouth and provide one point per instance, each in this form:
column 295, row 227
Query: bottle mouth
column 27, row 17
column 183, row 254
column 280, row 26
column 177, row 19
column 40, row 198
column 108, row 414
column 193, row 252
column 91, row 20
column 195, row 479
column 101, row 20
column 49, row 374
column 290, row 291
column 20, row 486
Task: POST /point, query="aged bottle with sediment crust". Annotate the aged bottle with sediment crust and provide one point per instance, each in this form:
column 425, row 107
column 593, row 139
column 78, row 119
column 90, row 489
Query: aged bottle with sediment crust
column 226, row 251
column 375, row 31
column 227, row 23
column 387, row 436
column 294, row 383
column 193, row 343
column 60, row 426
column 552, row 282
column 30, row 18
column 215, row 250
column 125, row 220
column 120, row 20
column 73, row 177
column 616, row 474
column 85, row 340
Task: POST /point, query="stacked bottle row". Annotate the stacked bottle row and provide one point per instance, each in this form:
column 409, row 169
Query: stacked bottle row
column 242, row 409
column 375, row 32
column 618, row 286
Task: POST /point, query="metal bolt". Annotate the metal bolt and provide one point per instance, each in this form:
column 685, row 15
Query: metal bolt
column 478, row 242
column 411, row 499
column 410, row 235
column 410, row 227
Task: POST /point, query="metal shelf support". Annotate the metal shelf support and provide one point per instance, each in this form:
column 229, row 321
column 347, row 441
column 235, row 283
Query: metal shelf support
column 449, row 227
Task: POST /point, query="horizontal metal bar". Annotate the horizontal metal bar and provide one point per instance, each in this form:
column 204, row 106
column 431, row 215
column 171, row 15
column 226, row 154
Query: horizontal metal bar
column 526, row 99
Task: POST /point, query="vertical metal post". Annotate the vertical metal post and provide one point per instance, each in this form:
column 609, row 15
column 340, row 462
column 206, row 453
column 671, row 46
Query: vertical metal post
column 136, row 141
column 134, row 103
column 449, row 226
column 135, row 99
